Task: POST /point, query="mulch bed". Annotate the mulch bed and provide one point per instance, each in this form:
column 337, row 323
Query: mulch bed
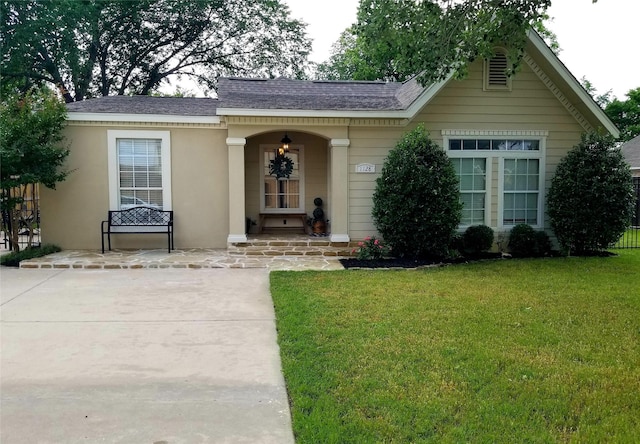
column 398, row 263
column 354, row 263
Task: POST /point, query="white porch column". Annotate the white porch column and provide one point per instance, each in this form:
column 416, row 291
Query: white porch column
column 236, row 190
column 339, row 190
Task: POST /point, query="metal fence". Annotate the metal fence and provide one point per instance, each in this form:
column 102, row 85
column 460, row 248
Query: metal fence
column 28, row 219
column 631, row 238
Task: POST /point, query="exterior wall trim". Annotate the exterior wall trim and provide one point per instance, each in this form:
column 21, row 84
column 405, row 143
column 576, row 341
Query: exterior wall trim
column 572, row 83
column 141, row 118
column 519, row 133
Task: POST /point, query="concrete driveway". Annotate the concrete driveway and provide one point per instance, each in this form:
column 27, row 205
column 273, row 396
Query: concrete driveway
column 140, row 356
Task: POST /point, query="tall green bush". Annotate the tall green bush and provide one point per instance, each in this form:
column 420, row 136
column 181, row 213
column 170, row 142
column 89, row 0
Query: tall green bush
column 416, row 204
column 590, row 201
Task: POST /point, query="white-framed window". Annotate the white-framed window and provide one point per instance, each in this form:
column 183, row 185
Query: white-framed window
column 520, row 191
column 282, row 195
column 521, row 178
column 139, row 164
column 472, row 175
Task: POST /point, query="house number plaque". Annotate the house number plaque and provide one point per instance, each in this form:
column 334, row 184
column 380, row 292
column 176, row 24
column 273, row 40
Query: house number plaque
column 365, row 168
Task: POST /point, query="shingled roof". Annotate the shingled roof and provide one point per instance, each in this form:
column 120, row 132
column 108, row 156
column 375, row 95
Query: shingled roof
column 283, row 93
column 631, row 152
column 170, row 106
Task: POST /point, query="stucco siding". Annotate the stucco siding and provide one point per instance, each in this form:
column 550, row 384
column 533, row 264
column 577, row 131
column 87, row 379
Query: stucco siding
column 71, row 215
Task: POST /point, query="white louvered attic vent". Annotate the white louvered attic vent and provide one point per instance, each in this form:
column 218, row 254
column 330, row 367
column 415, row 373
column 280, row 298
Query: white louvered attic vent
column 496, row 77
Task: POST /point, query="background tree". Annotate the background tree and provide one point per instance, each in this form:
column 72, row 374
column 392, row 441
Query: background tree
column 397, row 39
column 90, row 48
column 31, row 150
column 416, row 203
column 591, row 199
column 626, row 114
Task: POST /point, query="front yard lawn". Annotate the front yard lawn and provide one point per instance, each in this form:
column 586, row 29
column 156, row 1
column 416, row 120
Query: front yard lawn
column 540, row 350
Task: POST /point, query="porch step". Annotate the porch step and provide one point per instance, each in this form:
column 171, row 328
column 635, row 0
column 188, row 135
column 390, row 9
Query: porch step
column 289, row 245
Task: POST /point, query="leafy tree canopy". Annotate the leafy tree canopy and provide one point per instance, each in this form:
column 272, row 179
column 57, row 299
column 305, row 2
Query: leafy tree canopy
column 31, row 149
column 31, row 140
column 626, row 114
column 397, row 39
column 90, row 48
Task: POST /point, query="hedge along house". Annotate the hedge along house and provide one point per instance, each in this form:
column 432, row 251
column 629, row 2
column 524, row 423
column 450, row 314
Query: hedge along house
column 208, row 159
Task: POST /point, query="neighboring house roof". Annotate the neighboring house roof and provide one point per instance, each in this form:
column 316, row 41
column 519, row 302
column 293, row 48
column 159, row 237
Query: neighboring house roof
column 631, row 152
column 173, row 106
column 288, row 94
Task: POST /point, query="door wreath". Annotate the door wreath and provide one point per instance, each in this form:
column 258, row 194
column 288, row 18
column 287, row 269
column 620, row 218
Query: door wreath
column 281, row 166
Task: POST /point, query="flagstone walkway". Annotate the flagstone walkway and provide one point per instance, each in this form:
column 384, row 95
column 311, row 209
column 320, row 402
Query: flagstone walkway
column 187, row 258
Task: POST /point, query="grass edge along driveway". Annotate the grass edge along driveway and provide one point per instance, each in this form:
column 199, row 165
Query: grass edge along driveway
column 540, row 350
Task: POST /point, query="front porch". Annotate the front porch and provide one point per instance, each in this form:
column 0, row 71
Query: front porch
column 271, row 251
column 289, row 244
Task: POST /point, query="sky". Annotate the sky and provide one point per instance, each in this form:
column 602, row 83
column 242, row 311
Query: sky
column 599, row 41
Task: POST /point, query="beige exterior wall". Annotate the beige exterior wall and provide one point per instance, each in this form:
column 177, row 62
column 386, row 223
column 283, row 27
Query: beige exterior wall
column 464, row 105
column 200, row 174
column 71, row 214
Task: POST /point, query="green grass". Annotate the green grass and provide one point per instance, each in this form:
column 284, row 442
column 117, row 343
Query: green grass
column 541, row 350
column 630, row 238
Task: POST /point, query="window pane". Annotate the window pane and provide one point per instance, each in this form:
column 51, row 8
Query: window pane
column 509, row 182
column 499, row 144
column 532, row 201
column 521, row 183
column 284, row 192
column 479, row 183
column 455, row 144
column 469, row 144
column 140, row 171
column 521, row 166
column 466, row 182
column 479, row 165
column 126, row 180
column 533, row 166
column 532, row 145
column 484, row 144
column 467, row 166
column 508, row 201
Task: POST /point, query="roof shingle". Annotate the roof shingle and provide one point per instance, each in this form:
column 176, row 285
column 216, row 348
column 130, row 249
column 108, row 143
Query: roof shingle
column 283, row 93
column 170, row 106
column 631, row 152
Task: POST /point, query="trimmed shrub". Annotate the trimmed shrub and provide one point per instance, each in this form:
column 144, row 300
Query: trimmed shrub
column 416, row 203
column 543, row 244
column 522, row 241
column 478, row 238
column 591, row 199
column 13, row 259
column 456, row 245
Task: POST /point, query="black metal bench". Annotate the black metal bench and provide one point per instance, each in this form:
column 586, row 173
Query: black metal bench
column 138, row 220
